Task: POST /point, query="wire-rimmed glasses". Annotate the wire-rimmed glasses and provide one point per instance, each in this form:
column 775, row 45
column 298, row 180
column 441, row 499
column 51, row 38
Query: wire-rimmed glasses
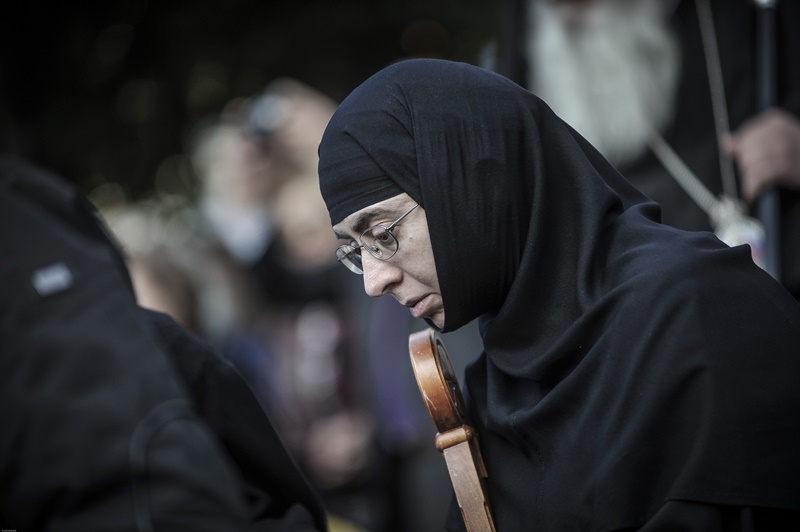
column 378, row 240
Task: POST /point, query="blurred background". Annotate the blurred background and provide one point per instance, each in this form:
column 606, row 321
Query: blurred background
column 109, row 92
column 193, row 128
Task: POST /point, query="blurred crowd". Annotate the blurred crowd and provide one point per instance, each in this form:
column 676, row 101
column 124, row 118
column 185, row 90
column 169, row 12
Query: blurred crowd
column 248, row 262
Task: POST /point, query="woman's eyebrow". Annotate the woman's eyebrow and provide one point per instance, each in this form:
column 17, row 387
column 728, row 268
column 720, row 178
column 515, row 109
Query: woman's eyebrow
column 362, row 223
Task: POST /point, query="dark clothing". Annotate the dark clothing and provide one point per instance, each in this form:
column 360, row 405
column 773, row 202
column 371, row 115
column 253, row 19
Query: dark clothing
column 278, row 494
column 629, row 367
column 691, row 133
column 100, row 431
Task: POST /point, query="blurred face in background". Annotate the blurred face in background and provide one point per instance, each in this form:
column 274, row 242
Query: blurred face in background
column 609, row 68
column 302, row 221
column 237, row 170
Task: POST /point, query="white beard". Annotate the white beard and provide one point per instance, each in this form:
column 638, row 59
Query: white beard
column 609, row 69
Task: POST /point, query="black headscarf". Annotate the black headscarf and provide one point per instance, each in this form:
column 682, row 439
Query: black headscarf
column 626, row 364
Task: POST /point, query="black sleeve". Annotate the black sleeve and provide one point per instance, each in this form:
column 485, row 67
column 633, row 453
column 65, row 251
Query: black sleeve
column 97, row 434
column 279, row 495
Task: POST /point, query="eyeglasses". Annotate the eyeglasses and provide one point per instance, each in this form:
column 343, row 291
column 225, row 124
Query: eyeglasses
column 378, row 240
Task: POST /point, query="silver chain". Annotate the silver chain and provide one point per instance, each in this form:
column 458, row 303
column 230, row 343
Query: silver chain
column 682, row 174
column 687, row 179
column 716, row 83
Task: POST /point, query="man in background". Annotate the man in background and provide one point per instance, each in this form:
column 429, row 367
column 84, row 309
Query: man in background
column 640, row 78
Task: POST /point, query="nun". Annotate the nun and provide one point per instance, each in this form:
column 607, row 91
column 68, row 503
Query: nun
column 633, row 376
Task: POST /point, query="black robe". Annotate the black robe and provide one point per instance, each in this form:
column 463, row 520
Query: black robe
column 113, row 417
column 634, row 376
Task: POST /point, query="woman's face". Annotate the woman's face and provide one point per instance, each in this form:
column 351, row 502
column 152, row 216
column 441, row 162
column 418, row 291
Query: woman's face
column 410, row 275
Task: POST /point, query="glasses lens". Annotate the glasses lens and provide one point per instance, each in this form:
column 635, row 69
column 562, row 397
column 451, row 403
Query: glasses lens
column 350, row 257
column 380, row 243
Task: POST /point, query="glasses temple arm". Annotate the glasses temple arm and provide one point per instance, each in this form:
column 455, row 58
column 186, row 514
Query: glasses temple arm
column 401, row 218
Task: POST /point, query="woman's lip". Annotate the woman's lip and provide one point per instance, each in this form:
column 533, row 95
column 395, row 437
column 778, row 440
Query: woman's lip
column 418, row 310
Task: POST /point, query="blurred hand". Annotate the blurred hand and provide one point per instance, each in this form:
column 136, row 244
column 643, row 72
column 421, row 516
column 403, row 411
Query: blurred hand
column 767, row 151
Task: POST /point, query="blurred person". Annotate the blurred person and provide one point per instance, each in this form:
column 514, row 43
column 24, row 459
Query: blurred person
column 156, row 252
column 380, row 432
column 317, row 357
column 634, row 376
column 291, row 115
column 392, row 436
column 404, row 491
column 115, row 417
column 259, row 194
column 647, row 80
column 179, row 269
column 259, row 144
column 237, row 183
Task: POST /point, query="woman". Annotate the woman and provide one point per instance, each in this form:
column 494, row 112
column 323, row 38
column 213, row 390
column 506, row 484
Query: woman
column 634, row 376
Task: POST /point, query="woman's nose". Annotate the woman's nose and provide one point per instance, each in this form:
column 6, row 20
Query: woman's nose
column 379, row 276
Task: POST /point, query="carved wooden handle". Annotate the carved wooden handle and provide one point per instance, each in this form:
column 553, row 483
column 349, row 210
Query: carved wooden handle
column 455, row 438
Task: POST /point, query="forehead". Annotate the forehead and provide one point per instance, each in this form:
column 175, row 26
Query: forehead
column 360, row 220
